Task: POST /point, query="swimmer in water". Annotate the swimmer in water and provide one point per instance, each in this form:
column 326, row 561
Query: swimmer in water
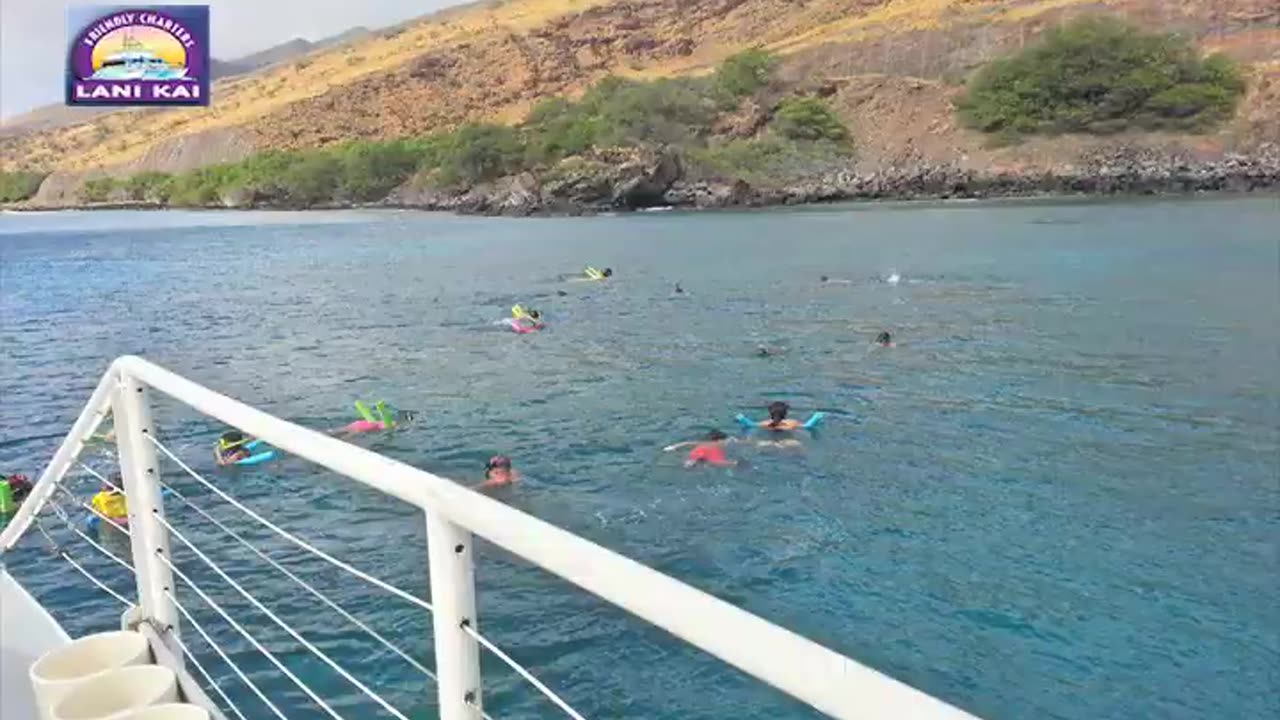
column 679, row 289
column 884, row 339
column 369, row 422
column 498, row 473
column 591, row 273
column 19, row 486
column 778, row 420
column 231, row 447
column 110, row 503
column 709, row 450
column 523, row 320
column 834, row 281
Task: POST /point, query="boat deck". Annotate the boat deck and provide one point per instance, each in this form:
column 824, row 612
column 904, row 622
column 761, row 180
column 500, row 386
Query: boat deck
column 27, row 631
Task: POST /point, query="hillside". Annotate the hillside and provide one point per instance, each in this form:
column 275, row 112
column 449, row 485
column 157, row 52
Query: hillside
column 891, row 69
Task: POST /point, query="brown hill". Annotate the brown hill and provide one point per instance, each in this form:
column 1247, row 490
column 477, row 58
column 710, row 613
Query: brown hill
column 890, row 67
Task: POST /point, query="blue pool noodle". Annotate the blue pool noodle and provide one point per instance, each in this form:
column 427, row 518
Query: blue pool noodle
column 813, row 421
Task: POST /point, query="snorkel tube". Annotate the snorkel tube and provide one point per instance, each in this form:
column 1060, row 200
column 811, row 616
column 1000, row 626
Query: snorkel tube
column 383, row 418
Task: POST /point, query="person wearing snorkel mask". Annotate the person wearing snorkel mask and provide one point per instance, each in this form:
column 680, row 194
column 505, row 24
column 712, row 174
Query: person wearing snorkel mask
column 380, row 418
column 498, row 473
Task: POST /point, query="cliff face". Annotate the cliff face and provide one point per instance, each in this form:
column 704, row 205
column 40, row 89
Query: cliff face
column 890, row 68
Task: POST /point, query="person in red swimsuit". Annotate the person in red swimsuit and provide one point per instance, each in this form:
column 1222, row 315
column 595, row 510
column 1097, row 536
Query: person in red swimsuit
column 709, row 450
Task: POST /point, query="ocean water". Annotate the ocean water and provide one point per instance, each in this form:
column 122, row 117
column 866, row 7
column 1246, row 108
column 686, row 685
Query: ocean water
column 1056, row 497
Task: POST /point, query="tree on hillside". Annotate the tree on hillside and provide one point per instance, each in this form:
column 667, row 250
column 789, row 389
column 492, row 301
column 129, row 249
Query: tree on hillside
column 1097, row 74
column 746, row 72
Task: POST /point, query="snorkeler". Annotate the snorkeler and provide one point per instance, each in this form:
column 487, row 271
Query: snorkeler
column 369, row 422
column 884, row 339
column 231, row 447
column 109, row 502
column 778, row 420
column 524, row 320
column 710, row 451
column 498, row 472
column 13, row 490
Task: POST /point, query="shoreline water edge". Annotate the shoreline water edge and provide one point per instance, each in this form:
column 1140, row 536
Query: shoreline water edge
column 656, row 180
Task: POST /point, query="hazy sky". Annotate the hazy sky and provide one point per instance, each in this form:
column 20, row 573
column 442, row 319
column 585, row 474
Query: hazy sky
column 33, row 35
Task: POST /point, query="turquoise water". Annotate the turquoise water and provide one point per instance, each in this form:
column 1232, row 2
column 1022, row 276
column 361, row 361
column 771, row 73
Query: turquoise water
column 1057, row 497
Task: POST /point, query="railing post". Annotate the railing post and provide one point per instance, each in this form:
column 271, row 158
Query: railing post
column 140, row 471
column 450, row 550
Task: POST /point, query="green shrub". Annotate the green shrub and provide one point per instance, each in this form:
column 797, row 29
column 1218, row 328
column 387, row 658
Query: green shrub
column 746, row 72
column 370, row 171
column 555, row 129
column 19, row 184
column 97, row 190
column 809, row 118
column 1100, row 75
column 664, row 112
column 764, row 161
column 614, row 112
column 477, row 152
column 311, row 179
column 149, row 187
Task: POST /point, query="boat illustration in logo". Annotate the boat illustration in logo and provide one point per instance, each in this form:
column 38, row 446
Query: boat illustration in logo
column 135, row 61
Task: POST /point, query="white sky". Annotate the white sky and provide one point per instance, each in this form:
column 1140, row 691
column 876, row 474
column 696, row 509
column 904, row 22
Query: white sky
column 33, row 34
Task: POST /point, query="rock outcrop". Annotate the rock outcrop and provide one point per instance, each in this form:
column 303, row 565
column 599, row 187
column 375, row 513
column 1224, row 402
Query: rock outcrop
column 636, row 181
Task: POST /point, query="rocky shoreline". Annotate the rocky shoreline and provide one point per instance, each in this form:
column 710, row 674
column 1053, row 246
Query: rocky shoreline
column 634, row 180
column 660, row 183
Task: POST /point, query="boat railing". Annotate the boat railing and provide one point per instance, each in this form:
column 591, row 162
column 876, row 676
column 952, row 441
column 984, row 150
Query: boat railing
column 454, row 517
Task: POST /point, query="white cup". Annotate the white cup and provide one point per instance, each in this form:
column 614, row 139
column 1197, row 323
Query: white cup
column 62, row 669
column 117, row 694
column 171, row 711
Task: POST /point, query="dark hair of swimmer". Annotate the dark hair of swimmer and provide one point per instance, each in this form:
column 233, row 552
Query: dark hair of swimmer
column 824, row 278
column 678, row 288
column 777, row 412
column 608, row 272
column 884, row 339
column 716, row 436
column 497, row 461
column 232, row 436
column 406, row 416
column 535, row 314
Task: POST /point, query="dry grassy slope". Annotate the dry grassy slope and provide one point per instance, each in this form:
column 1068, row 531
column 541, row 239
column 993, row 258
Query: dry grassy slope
column 893, row 65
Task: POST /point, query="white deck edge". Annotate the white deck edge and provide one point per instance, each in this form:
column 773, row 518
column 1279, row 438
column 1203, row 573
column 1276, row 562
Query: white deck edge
column 27, row 631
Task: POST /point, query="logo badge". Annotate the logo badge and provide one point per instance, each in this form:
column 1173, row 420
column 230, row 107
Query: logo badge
column 150, row 55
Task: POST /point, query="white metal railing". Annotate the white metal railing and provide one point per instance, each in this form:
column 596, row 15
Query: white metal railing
column 827, row 681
